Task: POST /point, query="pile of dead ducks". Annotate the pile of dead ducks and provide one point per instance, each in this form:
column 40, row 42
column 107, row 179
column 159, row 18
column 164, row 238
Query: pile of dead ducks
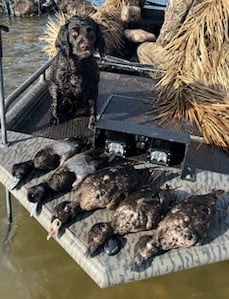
column 97, row 181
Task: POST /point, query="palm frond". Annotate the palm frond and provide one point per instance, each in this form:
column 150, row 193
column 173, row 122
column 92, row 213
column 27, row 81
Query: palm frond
column 195, row 85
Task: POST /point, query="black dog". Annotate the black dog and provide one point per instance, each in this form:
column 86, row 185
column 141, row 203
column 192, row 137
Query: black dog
column 75, row 73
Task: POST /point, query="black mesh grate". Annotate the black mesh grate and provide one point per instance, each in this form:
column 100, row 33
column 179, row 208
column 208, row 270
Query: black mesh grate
column 37, row 122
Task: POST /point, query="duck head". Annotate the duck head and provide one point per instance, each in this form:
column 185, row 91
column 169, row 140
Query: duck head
column 37, row 193
column 145, row 248
column 98, row 234
column 20, row 171
column 36, row 196
column 62, row 213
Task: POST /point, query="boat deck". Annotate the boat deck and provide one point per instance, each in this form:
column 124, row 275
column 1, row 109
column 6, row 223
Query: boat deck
column 105, row 270
column 110, row 83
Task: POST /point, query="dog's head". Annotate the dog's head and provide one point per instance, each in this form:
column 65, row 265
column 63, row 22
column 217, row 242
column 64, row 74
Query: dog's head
column 80, row 36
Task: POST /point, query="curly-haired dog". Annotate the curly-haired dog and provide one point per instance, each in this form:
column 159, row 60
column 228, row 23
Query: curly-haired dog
column 75, row 73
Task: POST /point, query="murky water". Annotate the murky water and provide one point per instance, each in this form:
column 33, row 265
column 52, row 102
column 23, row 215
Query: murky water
column 22, row 49
column 31, row 267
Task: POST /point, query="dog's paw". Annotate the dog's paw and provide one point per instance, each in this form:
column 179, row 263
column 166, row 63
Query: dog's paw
column 91, row 123
column 54, row 121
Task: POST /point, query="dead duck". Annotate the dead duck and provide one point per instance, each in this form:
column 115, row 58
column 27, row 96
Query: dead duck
column 68, row 176
column 48, row 158
column 140, row 211
column 109, row 186
column 185, row 225
column 105, row 188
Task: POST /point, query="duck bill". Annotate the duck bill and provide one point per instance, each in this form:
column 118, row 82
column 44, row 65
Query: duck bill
column 54, row 228
column 137, row 264
column 14, row 183
column 91, row 249
column 33, row 209
column 52, row 232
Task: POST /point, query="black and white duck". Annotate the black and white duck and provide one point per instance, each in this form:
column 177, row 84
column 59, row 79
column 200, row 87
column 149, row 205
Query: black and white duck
column 48, row 158
column 141, row 210
column 105, row 188
column 67, row 177
column 185, row 225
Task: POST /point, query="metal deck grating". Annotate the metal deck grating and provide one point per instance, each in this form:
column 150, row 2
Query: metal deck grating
column 38, row 120
column 38, row 123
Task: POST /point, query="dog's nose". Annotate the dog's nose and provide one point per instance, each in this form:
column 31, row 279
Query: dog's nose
column 83, row 43
column 84, row 46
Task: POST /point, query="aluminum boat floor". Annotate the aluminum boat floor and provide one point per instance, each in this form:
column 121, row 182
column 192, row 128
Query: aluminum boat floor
column 37, row 122
column 105, row 270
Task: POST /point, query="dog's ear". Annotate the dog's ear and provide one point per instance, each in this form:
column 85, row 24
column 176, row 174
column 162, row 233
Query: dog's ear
column 100, row 42
column 62, row 39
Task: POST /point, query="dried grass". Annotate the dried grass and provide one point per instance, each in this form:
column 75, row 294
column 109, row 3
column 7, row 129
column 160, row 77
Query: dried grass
column 50, row 34
column 112, row 28
column 115, row 3
column 195, row 85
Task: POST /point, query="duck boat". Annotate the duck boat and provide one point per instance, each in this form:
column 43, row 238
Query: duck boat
column 126, row 125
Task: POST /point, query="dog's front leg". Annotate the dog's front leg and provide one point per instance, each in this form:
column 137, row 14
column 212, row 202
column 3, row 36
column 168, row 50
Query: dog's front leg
column 92, row 110
column 54, row 119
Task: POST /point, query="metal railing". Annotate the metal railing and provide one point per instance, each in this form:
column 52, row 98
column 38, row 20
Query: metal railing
column 3, row 124
column 2, row 100
column 26, row 84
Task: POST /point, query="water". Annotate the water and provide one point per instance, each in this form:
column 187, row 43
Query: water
column 34, row 268
column 31, row 267
column 22, row 49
